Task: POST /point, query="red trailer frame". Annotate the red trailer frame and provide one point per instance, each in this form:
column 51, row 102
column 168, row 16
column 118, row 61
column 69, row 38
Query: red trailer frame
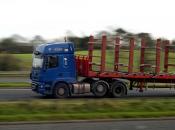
column 84, row 63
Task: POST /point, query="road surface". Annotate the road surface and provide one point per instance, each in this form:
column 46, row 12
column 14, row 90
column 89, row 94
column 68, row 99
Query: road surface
column 25, row 94
column 109, row 125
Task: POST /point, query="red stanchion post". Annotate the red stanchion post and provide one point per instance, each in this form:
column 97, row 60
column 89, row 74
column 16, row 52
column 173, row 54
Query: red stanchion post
column 116, row 54
column 142, row 54
column 131, row 55
column 103, row 54
column 90, row 51
column 158, row 51
column 166, row 54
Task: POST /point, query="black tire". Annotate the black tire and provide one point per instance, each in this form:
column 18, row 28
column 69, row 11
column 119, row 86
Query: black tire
column 61, row 90
column 100, row 88
column 118, row 89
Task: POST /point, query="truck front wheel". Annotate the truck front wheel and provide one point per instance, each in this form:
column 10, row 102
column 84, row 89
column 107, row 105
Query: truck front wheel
column 118, row 89
column 100, row 88
column 61, row 90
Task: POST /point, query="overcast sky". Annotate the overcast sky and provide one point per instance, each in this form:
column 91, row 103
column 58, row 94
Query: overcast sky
column 53, row 18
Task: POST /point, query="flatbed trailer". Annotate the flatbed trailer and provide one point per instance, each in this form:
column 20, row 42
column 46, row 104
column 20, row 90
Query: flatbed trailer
column 84, row 63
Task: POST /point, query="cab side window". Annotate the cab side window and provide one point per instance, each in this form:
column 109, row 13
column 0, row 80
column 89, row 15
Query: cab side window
column 52, row 61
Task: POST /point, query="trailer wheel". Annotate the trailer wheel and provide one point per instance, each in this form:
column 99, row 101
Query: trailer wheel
column 119, row 89
column 61, row 90
column 100, row 88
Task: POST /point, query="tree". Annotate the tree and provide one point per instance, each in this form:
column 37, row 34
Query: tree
column 173, row 42
column 101, row 33
column 148, row 38
column 120, row 31
column 7, row 44
column 38, row 40
column 10, row 46
column 80, row 42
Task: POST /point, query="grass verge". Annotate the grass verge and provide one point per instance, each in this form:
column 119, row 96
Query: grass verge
column 25, row 85
column 14, row 73
column 38, row 110
column 14, row 85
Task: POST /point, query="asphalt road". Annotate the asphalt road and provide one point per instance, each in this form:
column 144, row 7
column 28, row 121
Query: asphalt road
column 109, row 125
column 26, row 94
column 23, row 94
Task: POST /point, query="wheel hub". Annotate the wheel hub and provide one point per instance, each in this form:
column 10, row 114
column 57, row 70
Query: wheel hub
column 61, row 91
column 100, row 88
column 118, row 90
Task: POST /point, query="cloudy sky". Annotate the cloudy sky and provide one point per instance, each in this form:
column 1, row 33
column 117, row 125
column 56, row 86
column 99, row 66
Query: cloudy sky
column 54, row 18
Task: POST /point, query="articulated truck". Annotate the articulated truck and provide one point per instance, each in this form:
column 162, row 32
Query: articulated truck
column 58, row 72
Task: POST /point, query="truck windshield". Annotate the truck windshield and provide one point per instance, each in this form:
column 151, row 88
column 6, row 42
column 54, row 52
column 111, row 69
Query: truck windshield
column 37, row 61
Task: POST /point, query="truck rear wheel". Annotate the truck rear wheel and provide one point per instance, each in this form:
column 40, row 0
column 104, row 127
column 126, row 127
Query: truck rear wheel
column 118, row 89
column 61, row 91
column 100, row 88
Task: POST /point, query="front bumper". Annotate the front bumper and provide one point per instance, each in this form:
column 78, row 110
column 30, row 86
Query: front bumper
column 41, row 88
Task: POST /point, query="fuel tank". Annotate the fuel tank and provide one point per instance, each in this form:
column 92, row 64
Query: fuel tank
column 81, row 88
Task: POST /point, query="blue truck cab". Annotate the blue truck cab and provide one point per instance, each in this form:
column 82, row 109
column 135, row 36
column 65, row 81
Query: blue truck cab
column 53, row 64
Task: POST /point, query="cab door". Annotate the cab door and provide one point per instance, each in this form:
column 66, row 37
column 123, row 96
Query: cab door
column 52, row 68
column 60, row 68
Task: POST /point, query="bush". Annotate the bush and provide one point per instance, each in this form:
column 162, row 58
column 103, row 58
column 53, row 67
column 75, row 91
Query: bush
column 9, row 63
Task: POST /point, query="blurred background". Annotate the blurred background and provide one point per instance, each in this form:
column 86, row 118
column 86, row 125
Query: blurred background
column 16, row 50
column 24, row 24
